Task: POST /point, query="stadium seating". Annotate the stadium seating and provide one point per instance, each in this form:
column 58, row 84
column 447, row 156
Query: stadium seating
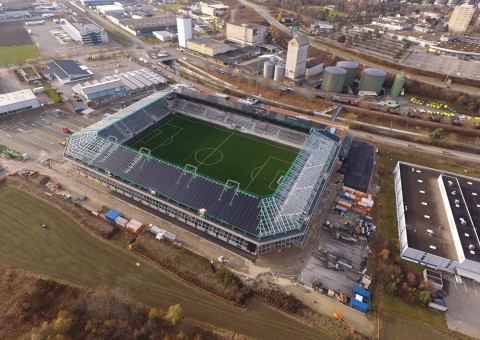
column 292, row 136
column 248, row 124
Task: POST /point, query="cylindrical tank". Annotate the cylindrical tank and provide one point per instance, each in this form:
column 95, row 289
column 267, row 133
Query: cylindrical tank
column 333, row 79
column 372, row 80
column 279, row 72
column 268, row 69
column 351, row 69
column 398, row 85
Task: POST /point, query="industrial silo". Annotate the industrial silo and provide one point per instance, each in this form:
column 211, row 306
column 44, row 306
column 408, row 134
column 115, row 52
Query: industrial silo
column 279, row 72
column 372, row 80
column 333, row 79
column 268, row 69
column 351, row 69
column 398, row 85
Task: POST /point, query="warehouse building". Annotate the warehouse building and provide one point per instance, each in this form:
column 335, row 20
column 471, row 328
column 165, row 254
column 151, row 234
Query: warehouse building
column 96, row 90
column 85, row 31
column 17, row 101
column 145, row 26
column 438, row 216
column 67, row 71
column 207, row 47
column 246, row 34
column 213, row 9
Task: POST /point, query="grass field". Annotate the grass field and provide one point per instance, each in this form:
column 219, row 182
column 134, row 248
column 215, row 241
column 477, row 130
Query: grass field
column 219, row 153
column 18, row 53
column 397, row 327
column 66, row 251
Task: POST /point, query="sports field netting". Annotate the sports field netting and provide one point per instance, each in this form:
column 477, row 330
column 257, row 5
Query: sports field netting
column 219, row 153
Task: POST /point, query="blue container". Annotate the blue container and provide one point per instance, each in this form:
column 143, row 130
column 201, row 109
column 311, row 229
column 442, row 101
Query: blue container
column 360, row 291
column 112, row 214
column 358, row 305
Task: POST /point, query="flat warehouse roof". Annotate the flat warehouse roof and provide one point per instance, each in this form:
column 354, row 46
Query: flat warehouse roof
column 16, row 97
column 425, row 212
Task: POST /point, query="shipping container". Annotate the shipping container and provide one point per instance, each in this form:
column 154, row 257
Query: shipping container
column 360, row 291
column 112, row 214
column 122, row 222
column 359, row 305
column 135, row 226
column 338, row 207
column 165, row 235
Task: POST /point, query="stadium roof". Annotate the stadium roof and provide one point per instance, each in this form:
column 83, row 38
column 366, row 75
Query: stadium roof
column 100, row 147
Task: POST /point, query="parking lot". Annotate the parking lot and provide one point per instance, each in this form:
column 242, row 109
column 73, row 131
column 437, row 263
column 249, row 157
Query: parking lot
column 40, row 134
column 51, row 45
column 463, row 303
column 443, row 64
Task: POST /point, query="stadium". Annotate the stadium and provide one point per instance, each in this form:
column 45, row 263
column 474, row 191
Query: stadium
column 249, row 177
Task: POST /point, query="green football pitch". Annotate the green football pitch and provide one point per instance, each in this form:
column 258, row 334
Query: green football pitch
column 221, row 154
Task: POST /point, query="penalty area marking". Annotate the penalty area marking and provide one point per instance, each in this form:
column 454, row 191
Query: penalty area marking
column 261, row 168
column 278, row 181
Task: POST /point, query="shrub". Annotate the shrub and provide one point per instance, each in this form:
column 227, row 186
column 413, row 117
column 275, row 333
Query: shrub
column 424, row 297
column 391, row 288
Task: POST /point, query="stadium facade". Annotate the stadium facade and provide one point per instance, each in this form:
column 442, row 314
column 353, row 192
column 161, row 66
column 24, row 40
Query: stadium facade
column 251, row 223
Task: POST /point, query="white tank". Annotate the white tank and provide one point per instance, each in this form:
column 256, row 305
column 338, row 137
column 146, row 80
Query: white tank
column 268, row 69
column 279, row 72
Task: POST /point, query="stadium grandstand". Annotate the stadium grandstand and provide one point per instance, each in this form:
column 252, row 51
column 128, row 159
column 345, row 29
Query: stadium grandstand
column 149, row 152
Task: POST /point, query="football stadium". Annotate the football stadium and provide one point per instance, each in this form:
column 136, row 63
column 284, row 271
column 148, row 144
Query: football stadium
column 250, row 177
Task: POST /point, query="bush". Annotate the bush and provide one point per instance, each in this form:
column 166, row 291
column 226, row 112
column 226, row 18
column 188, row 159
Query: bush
column 424, row 297
column 285, row 302
column 391, row 288
column 341, row 39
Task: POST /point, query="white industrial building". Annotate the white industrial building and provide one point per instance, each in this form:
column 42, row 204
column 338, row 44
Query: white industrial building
column 297, row 56
column 184, row 30
column 213, row 9
column 246, row 34
column 17, row 101
column 164, row 35
column 438, row 216
column 67, row 71
column 85, row 31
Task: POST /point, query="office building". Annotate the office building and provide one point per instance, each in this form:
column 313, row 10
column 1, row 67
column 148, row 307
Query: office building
column 85, row 31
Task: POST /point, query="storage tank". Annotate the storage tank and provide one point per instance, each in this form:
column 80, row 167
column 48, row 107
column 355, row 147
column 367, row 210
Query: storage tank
column 333, row 79
column 372, row 80
column 351, row 69
column 279, row 72
column 398, row 85
column 268, row 69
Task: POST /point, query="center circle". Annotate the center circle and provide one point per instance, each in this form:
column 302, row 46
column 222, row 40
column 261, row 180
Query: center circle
column 208, row 156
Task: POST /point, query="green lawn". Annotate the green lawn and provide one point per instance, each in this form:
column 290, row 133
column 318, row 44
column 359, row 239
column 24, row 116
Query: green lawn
column 66, row 251
column 219, row 153
column 18, row 53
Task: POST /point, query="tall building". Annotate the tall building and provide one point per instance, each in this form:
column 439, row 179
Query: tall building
column 297, row 56
column 184, row 29
column 245, row 34
column 461, row 17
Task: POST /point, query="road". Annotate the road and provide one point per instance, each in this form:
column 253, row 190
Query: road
column 350, row 56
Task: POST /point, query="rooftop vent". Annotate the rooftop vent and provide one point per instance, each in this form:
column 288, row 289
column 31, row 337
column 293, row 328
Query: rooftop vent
column 467, row 235
column 430, row 232
column 470, row 183
column 463, row 221
column 433, row 247
column 424, row 203
column 471, row 247
column 457, row 201
column 426, row 216
column 454, row 193
column 419, row 171
column 413, row 169
column 472, row 252
column 474, row 193
column 450, row 183
column 420, row 181
column 422, row 192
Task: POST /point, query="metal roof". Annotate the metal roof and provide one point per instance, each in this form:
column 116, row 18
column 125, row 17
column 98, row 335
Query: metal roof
column 66, row 68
